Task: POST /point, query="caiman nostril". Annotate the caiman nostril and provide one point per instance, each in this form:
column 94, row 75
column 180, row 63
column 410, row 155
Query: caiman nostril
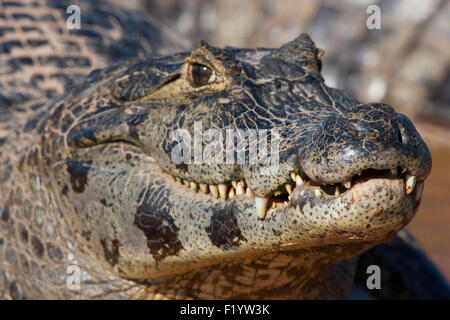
column 401, row 134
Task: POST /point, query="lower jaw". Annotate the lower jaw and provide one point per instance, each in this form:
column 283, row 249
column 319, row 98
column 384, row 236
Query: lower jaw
column 373, row 210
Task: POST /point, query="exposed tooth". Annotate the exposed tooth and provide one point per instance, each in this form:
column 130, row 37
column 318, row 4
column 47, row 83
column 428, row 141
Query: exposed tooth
column 231, row 194
column 394, row 171
column 193, row 186
column 403, row 170
column 299, row 181
column 418, row 191
column 203, row 187
column 347, row 183
column 293, row 176
column 149, row 159
column 240, row 189
column 410, row 183
column 249, row 193
column 317, row 192
column 186, row 183
column 234, row 184
column 260, row 205
column 223, row 191
column 337, row 193
column 277, row 193
column 178, row 179
column 214, row 190
column 274, row 205
column 289, row 188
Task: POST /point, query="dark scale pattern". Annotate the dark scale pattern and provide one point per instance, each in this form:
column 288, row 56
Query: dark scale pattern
column 158, row 226
column 108, row 34
column 224, row 231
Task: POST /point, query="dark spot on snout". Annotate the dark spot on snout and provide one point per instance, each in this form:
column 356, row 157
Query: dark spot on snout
column 153, row 218
column 78, row 171
column 111, row 251
column 223, row 230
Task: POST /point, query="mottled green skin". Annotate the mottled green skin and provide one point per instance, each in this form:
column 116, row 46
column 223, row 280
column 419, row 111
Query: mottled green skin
column 88, row 182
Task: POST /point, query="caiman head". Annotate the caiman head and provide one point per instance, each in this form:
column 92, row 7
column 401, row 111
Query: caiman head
column 175, row 163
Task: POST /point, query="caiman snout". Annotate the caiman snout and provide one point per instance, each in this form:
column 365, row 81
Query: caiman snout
column 362, row 137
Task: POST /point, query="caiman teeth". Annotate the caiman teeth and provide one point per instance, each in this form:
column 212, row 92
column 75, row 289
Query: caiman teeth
column 223, row 191
column 293, row 176
column 260, row 205
column 214, row 190
column 288, row 188
column 240, row 190
column 418, row 191
column 410, row 183
column 347, row 183
column 193, row 186
column 337, row 193
column 204, row 187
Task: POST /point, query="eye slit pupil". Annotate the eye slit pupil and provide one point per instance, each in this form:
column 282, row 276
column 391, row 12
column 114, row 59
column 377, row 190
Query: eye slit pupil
column 200, row 74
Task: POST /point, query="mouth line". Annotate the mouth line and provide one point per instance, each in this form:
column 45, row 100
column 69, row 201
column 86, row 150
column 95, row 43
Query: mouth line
column 281, row 197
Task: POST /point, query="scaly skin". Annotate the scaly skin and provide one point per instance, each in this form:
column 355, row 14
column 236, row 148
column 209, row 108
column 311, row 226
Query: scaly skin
column 87, row 180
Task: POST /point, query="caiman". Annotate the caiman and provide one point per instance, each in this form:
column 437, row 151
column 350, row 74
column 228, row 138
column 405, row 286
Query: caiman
column 90, row 186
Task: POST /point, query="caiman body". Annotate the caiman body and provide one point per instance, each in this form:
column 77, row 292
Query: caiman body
column 89, row 181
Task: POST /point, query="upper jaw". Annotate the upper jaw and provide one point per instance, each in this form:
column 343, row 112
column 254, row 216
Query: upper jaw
column 364, row 137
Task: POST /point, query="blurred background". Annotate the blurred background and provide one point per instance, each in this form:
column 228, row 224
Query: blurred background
column 405, row 64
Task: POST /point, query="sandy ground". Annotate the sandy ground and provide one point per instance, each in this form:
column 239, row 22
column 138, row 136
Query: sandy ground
column 431, row 225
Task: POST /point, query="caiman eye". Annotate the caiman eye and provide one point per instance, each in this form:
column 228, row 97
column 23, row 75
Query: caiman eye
column 201, row 75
